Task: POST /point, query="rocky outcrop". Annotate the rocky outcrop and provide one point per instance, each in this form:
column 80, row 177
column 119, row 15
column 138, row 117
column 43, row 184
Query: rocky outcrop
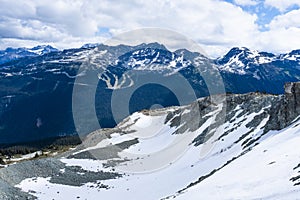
column 292, row 98
column 286, row 109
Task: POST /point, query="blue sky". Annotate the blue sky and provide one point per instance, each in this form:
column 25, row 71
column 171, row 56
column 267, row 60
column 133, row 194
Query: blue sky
column 265, row 13
column 217, row 25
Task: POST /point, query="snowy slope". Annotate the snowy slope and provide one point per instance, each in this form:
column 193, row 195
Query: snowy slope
column 236, row 159
column 263, row 173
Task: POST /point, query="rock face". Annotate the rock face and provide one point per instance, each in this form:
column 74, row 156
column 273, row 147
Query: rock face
column 286, row 109
column 292, row 96
column 292, row 92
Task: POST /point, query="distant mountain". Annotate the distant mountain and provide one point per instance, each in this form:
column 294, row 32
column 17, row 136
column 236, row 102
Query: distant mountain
column 36, row 88
column 244, row 70
column 90, row 45
column 11, row 54
column 42, row 49
column 242, row 60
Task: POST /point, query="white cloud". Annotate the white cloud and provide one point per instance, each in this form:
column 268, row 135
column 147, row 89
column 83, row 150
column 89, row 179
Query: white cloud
column 283, row 34
column 280, row 41
column 216, row 25
column 213, row 23
column 246, row 2
column 285, row 21
column 282, row 5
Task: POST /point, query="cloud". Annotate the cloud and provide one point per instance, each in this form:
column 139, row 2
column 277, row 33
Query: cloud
column 216, row 25
column 68, row 17
column 282, row 5
column 29, row 29
column 282, row 40
column 209, row 22
column 285, row 21
column 246, row 2
column 17, row 9
column 283, row 34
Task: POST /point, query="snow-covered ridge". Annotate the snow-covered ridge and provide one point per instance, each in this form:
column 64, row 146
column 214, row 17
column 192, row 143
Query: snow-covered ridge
column 38, row 50
column 42, row 49
column 11, row 54
column 90, row 45
column 241, row 60
column 140, row 59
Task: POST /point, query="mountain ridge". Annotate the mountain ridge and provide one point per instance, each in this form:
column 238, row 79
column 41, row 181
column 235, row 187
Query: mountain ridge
column 10, row 54
column 39, row 88
column 42, row 49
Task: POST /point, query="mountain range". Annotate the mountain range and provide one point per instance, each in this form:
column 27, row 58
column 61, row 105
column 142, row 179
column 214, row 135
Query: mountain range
column 11, row 54
column 36, row 85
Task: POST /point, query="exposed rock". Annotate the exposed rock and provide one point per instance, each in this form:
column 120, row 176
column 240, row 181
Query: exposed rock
column 286, row 109
column 292, row 100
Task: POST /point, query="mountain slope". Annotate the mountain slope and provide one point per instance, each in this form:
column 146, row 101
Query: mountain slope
column 240, row 146
column 268, row 171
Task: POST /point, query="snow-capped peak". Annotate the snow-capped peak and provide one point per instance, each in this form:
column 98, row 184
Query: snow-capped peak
column 42, row 49
column 90, row 45
column 292, row 56
column 10, row 54
column 155, row 59
column 238, row 60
